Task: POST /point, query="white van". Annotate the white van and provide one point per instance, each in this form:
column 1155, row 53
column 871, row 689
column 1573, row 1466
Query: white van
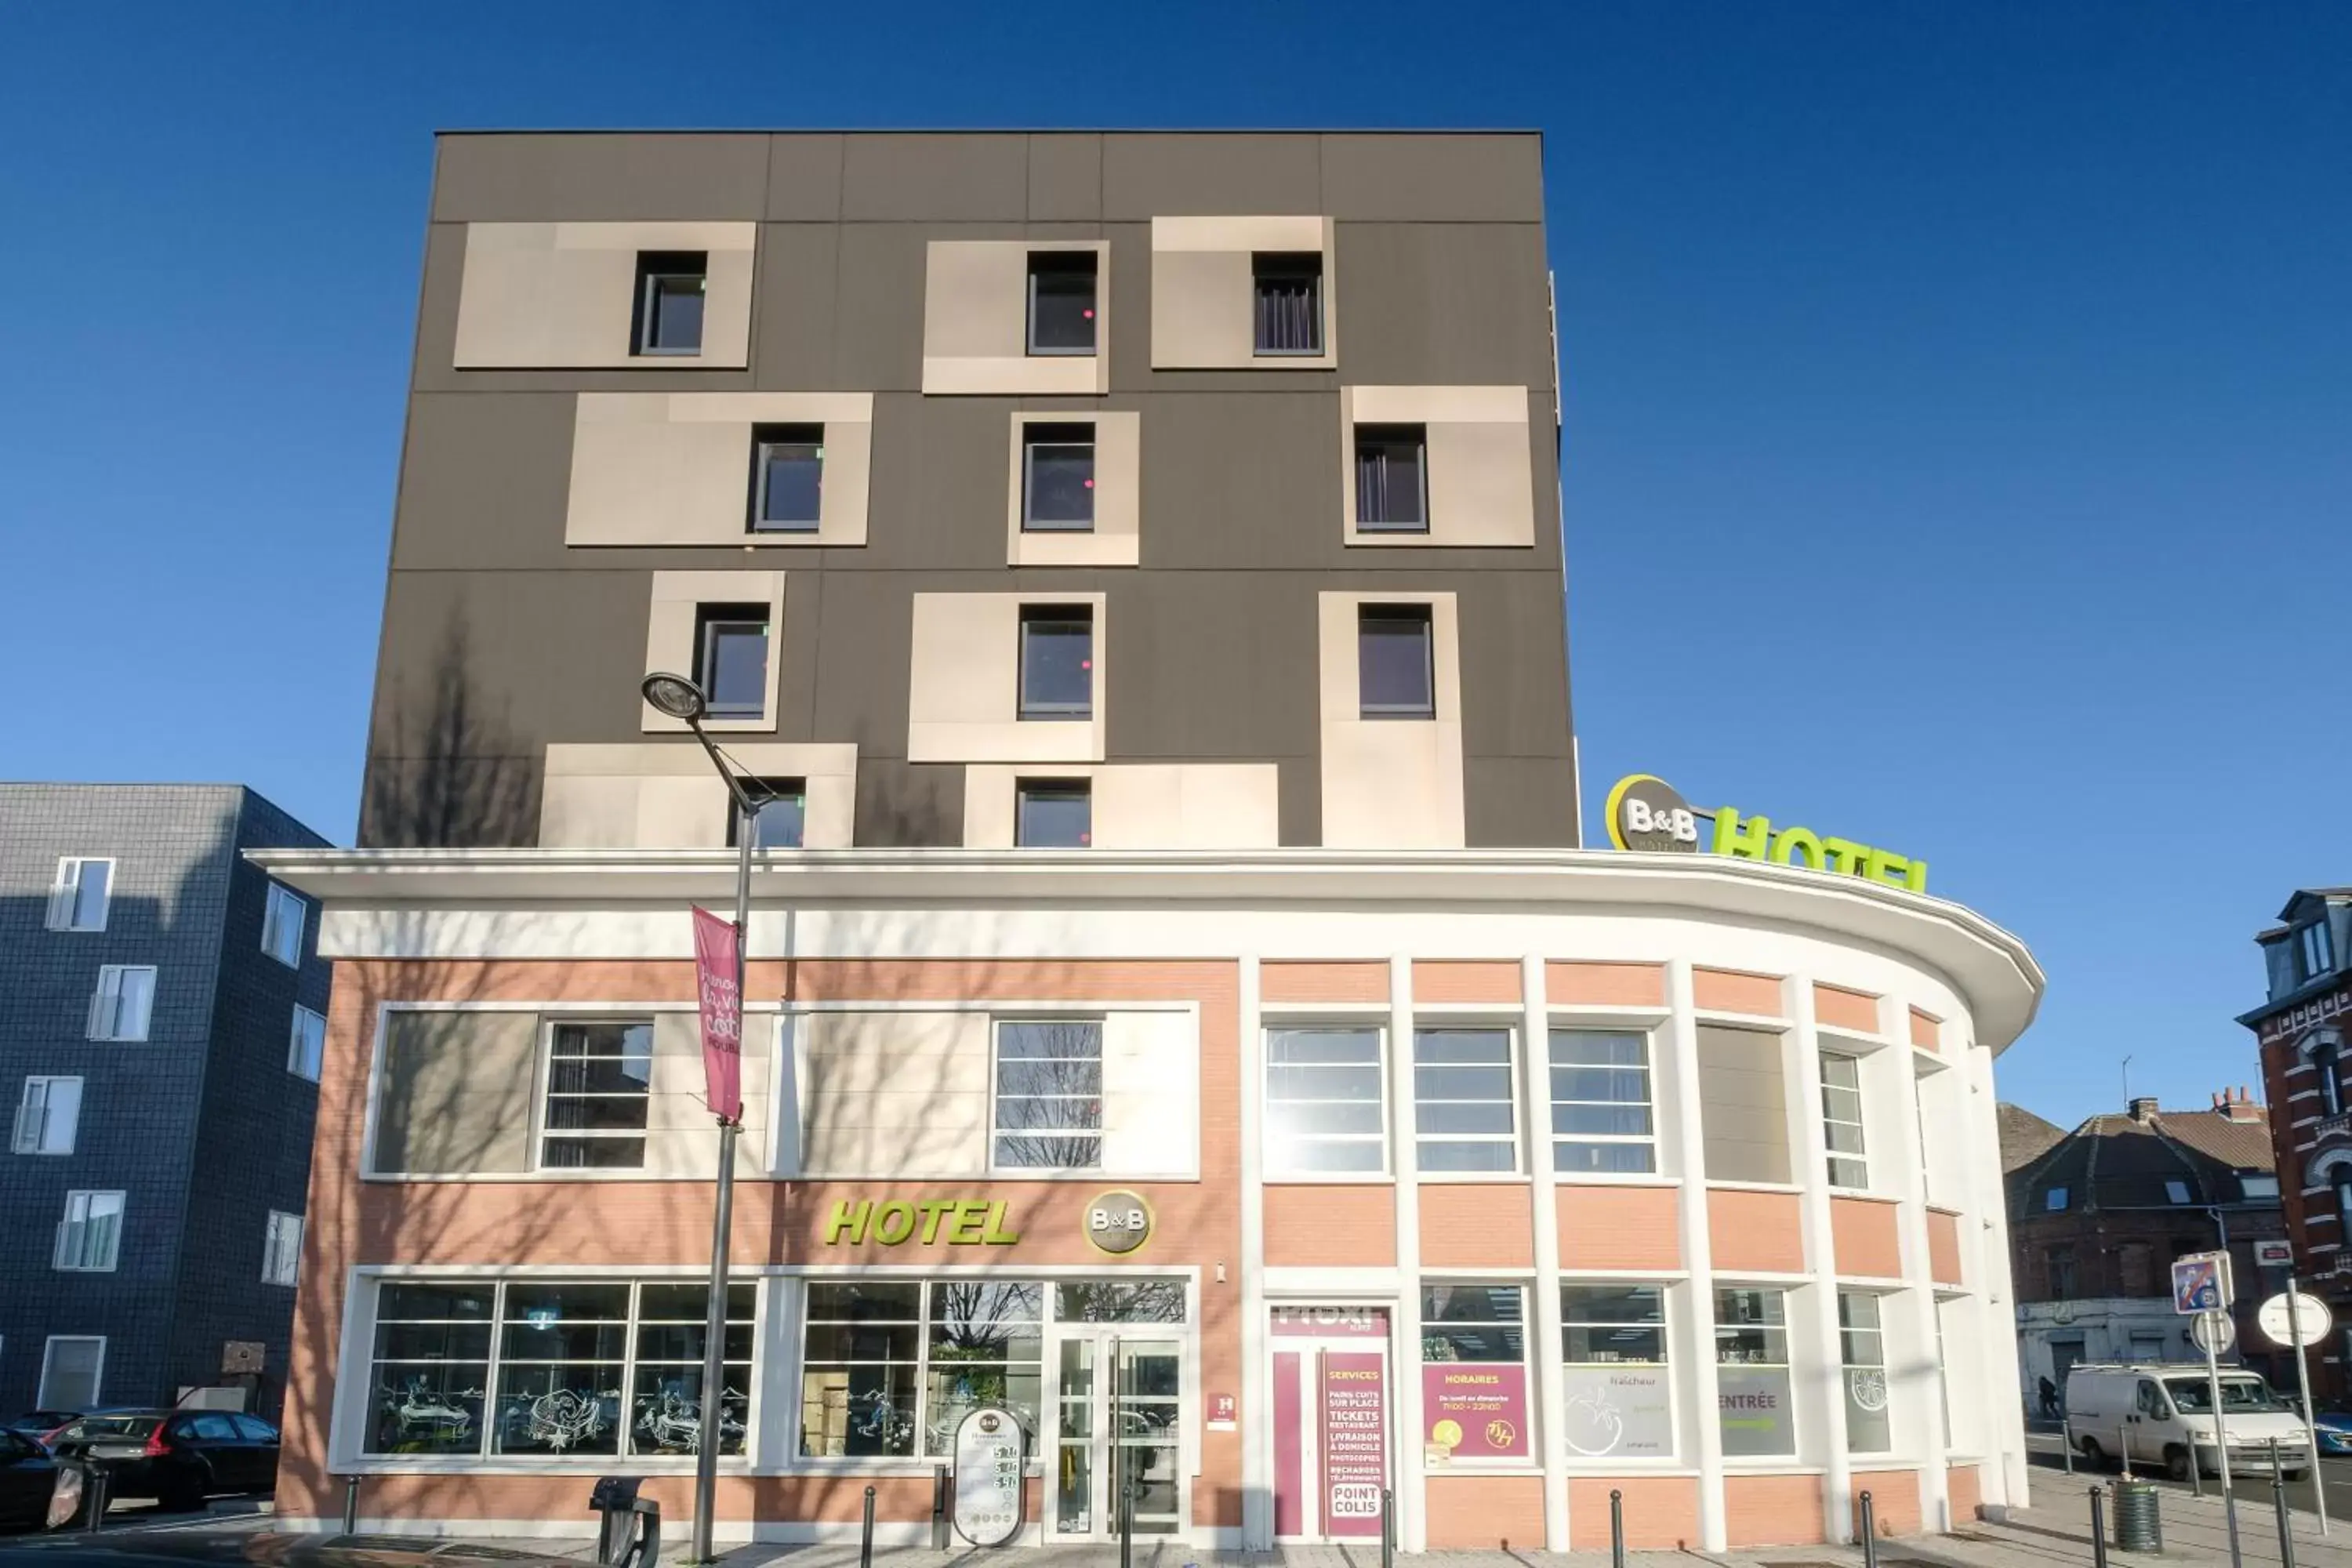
column 2151, row 1415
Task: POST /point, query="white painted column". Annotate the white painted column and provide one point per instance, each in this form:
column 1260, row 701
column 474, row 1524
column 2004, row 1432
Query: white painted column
column 1412, row 1488
column 1534, row 1118
column 1817, row 1334
column 1918, row 1392
column 1680, row 1047
column 1256, row 1396
column 1984, row 1267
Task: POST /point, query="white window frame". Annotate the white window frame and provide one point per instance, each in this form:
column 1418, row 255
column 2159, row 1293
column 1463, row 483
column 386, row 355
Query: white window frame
column 2315, row 949
column 43, row 1133
column 299, row 1059
column 65, row 893
column 1421, row 1137
column 281, row 1248
column 541, row 1131
column 274, row 916
column 87, row 1198
column 1665, row 1363
column 1099, row 1132
column 1282, row 1171
column 2258, row 1187
column 1786, row 1330
column 1834, row 1156
column 41, row 1399
column 106, row 1003
column 1876, row 1335
column 1554, row 1138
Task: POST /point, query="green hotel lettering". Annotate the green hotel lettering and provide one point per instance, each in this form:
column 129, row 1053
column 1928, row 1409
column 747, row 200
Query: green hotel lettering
column 967, row 1221
column 1752, row 838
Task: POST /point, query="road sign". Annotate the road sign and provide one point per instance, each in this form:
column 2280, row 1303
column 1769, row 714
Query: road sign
column 2206, row 1325
column 2273, row 1254
column 2197, row 1283
column 2306, row 1325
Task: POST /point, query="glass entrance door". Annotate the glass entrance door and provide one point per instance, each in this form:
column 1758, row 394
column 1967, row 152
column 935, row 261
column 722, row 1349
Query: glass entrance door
column 1124, row 1428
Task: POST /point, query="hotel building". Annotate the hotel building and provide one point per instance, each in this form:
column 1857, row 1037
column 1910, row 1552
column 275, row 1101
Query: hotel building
column 1180, row 1011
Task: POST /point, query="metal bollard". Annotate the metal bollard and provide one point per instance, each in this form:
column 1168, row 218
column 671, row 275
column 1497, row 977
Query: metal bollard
column 1616, row 1529
column 1388, row 1529
column 93, row 1493
column 1869, row 1534
column 939, row 1508
column 866, row 1542
column 351, row 1505
column 2066, row 1445
column 2098, row 1533
column 2278, row 1500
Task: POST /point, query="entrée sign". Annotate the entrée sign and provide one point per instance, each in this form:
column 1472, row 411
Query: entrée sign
column 1645, row 813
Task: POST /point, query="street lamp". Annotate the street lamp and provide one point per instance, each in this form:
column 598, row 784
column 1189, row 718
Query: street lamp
column 682, row 699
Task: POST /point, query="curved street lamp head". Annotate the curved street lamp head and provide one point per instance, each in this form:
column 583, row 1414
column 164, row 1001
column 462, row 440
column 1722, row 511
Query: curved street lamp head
column 673, row 695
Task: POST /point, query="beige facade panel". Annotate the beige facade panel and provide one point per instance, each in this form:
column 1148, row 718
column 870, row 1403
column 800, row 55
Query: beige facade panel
column 563, row 296
column 976, row 321
column 964, row 697
column 1479, row 472
column 676, row 468
column 669, row 637
column 1203, row 302
column 681, row 1140
column 1743, row 1104
column 1139, row 805
column 1389, row 784
column 1117, row 537
column 454, row 1093
column 664, row 795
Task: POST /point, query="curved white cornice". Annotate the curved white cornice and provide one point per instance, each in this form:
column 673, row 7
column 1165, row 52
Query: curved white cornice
column 1990, row 967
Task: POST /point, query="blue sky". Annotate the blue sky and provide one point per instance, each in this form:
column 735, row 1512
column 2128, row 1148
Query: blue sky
column 1958, row 399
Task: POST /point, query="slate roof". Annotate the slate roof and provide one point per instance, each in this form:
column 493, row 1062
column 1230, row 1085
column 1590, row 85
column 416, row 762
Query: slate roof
column 2113, row 1162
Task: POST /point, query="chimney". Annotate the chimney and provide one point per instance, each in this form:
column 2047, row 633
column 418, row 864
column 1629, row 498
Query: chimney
column 2142, row 1108
column 2237, row 1105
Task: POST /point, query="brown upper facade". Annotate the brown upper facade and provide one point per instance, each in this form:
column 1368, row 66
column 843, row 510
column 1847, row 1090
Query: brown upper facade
column 988, row 481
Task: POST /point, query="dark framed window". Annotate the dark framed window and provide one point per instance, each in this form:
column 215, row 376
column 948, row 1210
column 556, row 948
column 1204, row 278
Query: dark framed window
column 1058, row 661
column 2314, row 952
column 1055, row 814
column 787, row 477
column 1392, row 479
column 670, row 285
column 1062, row 301
column 730, row 656
column 1395, row 671
column 1288, row 287
column 1057, row 479
column 2328, row 1058
column 783, row 814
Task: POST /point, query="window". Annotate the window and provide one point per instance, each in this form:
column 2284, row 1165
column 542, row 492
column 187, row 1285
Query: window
column 2053, row 1201
column 1325, row 1103
column 2177, row 1192
column 46, row 1116
column 1841, row 1118
column 306, row 1046
column 2059, row 1263
column 787, row 477
column 1396, row 676
column 1061, row 301
column 780, row 817
column 281, row 1249
column 89, row 1237
column 598, row 1077
column 672, row 1326
column 1055, row 814
column 1601, row 1102
column 1864, row 1348
column 2256, row 1188
column 560, row 1368
column 2315, row 952
column 281, row 925
column 1288, row 288
column 1058, row 661
column 70, row 1364
column 884, row 1360
column 1474, row 1376
column 431, row 1370
column 1047, row 1105
column 2343, row 1205
column 1391, row 479
column 1057, row 479
column 1751, row 1353
column 2328, row 1057
column 731, row 643
column 77, row 898
column 670, row 301
column 123, row 1004
column 984, row 1345
column 1462, row 1100
column 1618, row 1404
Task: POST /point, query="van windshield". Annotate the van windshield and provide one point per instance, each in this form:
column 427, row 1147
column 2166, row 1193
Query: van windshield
column 2238, row 1394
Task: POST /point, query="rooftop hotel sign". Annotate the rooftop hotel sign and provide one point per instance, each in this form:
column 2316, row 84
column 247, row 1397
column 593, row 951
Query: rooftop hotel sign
column 1644, row 812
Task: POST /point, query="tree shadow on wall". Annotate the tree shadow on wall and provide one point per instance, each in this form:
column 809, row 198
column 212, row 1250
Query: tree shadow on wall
column 446, row 767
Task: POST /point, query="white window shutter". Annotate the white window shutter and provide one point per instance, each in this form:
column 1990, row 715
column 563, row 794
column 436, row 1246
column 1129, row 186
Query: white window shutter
column 61, row 897
column 29, row 1117
column 101, row 1009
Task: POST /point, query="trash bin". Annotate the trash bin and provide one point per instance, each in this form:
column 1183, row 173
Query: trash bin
column 2137, row 1528
column 620, row 1540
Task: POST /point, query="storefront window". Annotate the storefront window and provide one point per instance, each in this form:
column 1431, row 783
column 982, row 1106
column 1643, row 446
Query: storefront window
column 1863, row 1347
column 1601, row 1102
column 560, row 1375
column 1119, row 1301
column 1752, row 1352
column 1618, row 1404
column 1473, row 1353
column 858, row 1374
column 986, row 1347
column 432, row 1368
column 667, row 1409
column 1324, row 1109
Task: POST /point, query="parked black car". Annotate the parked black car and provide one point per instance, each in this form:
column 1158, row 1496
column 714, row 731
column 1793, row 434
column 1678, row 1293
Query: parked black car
column 28, row 1482
column 179, row 1457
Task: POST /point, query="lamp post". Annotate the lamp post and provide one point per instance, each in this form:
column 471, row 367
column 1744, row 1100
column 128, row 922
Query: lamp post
column 682, row 699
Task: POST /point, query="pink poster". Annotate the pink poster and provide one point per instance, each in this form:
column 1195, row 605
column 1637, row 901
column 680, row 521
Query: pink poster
column 722, row 1014
column 1478, row 1410
column 1355, row 1441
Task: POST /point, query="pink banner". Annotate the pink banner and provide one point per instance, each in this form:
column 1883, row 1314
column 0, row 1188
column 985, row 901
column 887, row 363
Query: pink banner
column 722, row 1014
column 1355, row 1441
column 1477, row 1409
